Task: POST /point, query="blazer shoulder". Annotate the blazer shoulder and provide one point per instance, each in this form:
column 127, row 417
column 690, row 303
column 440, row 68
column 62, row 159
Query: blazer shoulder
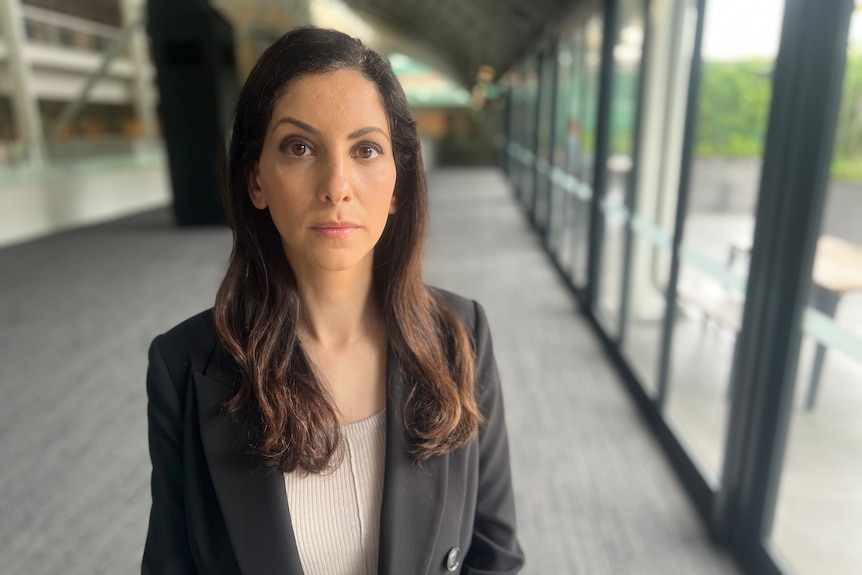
column 466, row 309
column 189, row 344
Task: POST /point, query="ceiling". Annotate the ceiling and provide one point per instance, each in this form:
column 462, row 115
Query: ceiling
column 455, row 36
column 466, row 34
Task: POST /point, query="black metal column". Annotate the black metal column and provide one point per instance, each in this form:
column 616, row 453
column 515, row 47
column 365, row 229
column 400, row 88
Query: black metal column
column 603, row 139
column 193, row 53
column 633, row 177
column 807, row 86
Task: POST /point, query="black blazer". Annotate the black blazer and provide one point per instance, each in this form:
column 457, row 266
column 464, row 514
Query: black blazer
column 217, row 510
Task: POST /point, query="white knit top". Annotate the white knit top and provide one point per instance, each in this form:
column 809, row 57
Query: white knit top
column 336, row 515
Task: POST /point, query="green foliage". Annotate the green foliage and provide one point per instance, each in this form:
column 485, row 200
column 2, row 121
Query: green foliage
column 847, row 169
column 847, row 157
column 623, row 113
column 732, row 113
column 733, row 108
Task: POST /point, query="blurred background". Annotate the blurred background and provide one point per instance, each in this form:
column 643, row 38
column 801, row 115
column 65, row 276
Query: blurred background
column 658, row 201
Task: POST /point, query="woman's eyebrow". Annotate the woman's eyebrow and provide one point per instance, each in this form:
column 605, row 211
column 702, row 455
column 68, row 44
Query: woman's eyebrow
column 362, row 131
column 312, row 130
column 288, row 120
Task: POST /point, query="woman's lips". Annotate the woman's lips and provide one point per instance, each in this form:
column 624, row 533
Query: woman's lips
column 335, row 230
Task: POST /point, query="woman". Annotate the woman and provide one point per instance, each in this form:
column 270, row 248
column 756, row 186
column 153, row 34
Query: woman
column 331, row 414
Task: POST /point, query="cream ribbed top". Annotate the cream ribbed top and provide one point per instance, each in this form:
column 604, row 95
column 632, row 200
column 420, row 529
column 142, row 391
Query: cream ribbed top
column 336, row 516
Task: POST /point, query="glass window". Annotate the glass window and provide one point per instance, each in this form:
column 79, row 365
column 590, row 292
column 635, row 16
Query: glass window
column 818, row 521
column 530, row 95
column 509, row 88
column 582, row 121
column 672, row 26
column 564, row 147
column 579, row 64
column 614, row 198
column 6, row 121
column 738, row 55
column 544, row 139
column 517, row 121
column 66, row 37
column 30, row 29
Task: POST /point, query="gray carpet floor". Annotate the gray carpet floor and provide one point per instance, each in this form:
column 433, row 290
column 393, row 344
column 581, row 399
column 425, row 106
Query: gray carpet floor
column 595, row 494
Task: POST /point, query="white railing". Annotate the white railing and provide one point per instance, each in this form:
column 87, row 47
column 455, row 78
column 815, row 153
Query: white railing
column 52, row 28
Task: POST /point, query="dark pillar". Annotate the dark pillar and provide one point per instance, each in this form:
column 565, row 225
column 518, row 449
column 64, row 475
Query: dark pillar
column 193, row 52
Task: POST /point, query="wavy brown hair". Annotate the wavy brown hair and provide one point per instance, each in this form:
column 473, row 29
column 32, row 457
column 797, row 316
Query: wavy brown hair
column 293, row 420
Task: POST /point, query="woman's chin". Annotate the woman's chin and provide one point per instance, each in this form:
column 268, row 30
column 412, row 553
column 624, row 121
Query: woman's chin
column 334, row 263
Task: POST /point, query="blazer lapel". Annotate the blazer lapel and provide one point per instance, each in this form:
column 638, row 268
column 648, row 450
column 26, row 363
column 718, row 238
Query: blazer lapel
column 414, row 495
column 252, row 497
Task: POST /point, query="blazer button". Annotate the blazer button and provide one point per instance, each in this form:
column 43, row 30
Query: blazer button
column 453, row 559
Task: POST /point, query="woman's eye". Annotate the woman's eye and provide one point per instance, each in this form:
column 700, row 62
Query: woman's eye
column 297, row 149
column 293, row 147
column 367, row 152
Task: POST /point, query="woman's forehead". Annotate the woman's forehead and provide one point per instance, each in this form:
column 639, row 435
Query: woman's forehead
column 343, row 94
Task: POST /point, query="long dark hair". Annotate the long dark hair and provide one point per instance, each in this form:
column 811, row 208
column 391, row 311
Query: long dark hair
column 257, row 307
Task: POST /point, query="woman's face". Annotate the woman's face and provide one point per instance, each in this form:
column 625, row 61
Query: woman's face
column 327, row 172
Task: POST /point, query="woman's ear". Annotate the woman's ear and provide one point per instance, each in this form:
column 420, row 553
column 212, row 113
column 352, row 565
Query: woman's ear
column 393, row 205
column 255, row 191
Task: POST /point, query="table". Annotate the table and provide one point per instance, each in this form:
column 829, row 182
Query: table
column 837, row 271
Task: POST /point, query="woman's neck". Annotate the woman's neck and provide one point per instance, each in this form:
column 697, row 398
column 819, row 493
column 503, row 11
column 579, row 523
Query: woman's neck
column 338, row 308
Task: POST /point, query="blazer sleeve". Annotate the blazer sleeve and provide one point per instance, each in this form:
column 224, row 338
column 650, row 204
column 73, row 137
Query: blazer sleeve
column 167, row 549
column 494, row 549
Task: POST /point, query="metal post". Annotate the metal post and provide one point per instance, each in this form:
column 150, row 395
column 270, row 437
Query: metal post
column 25, row 107
column 143, row 93
column 633, row 175
column 603, row 136
column 549, row 185
column 681, row 207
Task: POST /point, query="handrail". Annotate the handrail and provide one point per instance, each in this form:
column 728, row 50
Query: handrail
column 70, row 22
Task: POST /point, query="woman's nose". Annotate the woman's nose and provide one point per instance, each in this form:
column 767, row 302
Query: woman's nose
column 335, row 184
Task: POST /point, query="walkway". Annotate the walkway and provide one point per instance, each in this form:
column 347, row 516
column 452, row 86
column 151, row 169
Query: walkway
column 595, row 494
